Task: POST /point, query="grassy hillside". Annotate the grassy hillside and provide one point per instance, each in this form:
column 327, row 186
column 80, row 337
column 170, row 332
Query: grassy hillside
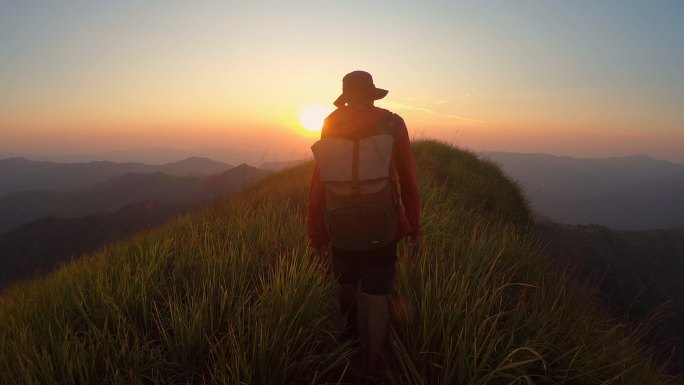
column 231, row 295
column 39, row 246
column 638, row 274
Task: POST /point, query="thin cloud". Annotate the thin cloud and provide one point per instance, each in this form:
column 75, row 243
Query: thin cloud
column 426, row 100
column 412, row 107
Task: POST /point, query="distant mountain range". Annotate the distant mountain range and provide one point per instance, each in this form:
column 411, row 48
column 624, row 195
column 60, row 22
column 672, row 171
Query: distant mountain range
column 17, row 174
column 631, row 193
column 125, row 189
column 232, row 154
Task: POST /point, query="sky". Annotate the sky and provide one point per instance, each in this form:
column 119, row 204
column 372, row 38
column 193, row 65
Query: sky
column 577, row 78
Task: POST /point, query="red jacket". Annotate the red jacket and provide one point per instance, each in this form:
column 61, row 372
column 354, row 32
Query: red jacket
column 403, row 173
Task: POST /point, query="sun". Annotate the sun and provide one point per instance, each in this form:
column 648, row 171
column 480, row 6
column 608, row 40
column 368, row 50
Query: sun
column 311, row 117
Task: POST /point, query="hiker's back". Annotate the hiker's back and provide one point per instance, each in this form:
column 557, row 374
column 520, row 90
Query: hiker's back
column 355, row 160
column 353, row 121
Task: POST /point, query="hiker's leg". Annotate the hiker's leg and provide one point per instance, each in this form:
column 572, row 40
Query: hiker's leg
column 348, row 308
column 348, row 273
column 377, row 278
column 378, row 320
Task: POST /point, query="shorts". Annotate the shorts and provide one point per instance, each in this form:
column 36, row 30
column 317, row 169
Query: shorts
column 375, row 268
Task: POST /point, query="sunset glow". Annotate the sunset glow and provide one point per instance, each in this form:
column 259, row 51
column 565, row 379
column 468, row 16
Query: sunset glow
column 311, row 117
column 568, row 78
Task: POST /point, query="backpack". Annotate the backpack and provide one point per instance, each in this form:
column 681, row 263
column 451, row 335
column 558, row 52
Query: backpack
column 362, row 206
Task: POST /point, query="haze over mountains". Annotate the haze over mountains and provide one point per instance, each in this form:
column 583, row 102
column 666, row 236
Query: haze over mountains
column 17, row 174
column 628, row 193
column 19, row 207
column 161, row 155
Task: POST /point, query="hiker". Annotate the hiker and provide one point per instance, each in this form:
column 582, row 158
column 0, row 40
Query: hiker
column 363, row 199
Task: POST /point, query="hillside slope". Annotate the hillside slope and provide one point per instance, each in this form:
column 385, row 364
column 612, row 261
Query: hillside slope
column 637, row 274
column 232, row 295
column 38, row 246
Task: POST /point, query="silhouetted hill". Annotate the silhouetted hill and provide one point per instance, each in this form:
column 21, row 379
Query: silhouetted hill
column 22, row 174
column 636, row 273
column 630, row 193
column 228, row 182
column 194, row 166
column 22, row 206
column 39, row 246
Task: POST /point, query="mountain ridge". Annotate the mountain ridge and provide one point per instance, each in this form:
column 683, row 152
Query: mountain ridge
column 21, row 174
column 20, row 207
column 547, row 155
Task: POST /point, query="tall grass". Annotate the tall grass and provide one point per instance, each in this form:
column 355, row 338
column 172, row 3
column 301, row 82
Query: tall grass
column 228, row 295
column 486, row 308
column 231, row 295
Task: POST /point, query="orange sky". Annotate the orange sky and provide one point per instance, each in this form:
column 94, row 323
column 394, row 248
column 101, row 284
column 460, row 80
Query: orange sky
column 571, row 79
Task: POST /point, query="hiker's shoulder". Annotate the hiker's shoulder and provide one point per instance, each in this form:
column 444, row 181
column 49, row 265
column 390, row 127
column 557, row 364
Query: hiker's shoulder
column 393, row 122
column 339, row 115
column 393, row 119
column 346, row 114
column 336, row 113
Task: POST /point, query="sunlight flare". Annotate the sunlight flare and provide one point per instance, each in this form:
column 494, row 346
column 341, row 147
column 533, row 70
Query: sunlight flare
column 311, row 117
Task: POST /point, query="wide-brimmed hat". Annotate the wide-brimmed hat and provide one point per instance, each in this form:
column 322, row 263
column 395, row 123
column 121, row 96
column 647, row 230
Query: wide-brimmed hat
column 358, row 86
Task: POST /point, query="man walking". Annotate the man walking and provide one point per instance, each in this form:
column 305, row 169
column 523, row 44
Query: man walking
column 363, row 199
